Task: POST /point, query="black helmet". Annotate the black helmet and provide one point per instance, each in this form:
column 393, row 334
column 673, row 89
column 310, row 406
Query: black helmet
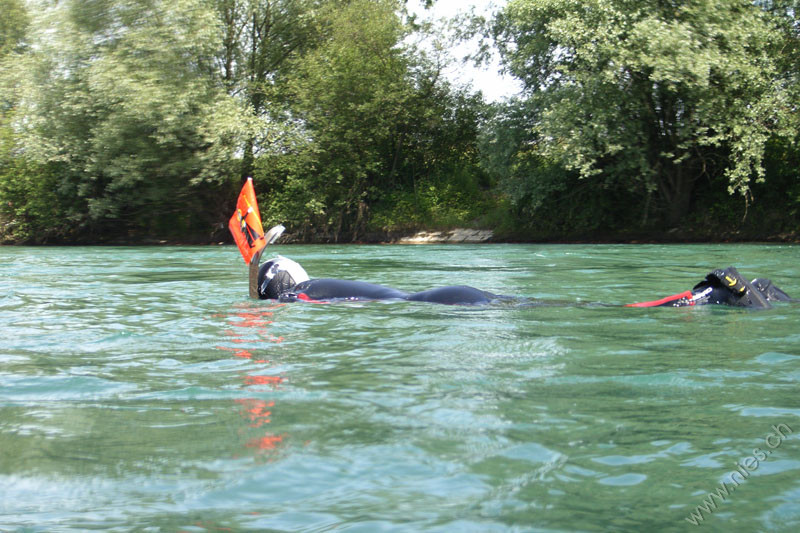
column 278, row 276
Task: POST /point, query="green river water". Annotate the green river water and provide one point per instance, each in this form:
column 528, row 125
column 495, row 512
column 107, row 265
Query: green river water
column 140, row 389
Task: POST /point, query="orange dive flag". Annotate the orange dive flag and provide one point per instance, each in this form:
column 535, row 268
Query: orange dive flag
column 245, row 224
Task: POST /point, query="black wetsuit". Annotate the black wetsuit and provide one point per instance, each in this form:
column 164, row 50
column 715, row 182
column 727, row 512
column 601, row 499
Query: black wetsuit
column 276, row 281
column 323, row 290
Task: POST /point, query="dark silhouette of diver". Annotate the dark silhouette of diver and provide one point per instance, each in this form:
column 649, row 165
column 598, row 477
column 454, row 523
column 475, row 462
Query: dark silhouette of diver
column 725, row 287
column 282, row 279
column 285, row 280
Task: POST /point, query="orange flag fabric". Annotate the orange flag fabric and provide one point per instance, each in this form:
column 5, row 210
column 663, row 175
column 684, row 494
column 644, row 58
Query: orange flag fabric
column 245, row 224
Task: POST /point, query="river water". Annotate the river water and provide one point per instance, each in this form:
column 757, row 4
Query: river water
column 140, row 389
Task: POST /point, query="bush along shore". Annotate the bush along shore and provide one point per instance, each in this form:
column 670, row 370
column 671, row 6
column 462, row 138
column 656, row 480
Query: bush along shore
column 137, row 122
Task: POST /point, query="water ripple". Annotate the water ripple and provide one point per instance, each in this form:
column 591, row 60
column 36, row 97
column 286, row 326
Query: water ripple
column 140, row 389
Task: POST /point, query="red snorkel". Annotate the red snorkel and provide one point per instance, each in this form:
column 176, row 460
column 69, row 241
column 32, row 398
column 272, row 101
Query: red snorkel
column 663, row 301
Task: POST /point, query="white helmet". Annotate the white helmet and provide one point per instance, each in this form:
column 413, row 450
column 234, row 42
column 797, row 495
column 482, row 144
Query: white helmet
column 279, row 275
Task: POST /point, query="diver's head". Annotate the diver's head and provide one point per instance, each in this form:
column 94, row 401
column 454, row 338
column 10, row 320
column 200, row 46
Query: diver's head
column 277, row 276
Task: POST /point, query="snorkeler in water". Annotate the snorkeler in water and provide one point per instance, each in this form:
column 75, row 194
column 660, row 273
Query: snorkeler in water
column 285, row 280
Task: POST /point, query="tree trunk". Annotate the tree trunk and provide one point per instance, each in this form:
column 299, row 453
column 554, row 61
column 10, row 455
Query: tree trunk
column 247, row 160
column 677, row 189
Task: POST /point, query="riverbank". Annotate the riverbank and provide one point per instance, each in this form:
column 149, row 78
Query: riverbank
column 672, row 236
column 687, row 235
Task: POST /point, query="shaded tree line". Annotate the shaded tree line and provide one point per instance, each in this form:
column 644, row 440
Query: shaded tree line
column 137, row 120
column 641, row 115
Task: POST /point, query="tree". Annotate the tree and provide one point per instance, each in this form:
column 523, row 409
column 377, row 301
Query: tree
column 24, row 189
column 123, row 98
column 376, row 124
column 259, row 38
column 653, row 94
column 508, row 151
column 349, row 93
column 13, row 25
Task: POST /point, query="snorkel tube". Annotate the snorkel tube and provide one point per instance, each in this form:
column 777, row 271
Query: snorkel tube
column 248, row 233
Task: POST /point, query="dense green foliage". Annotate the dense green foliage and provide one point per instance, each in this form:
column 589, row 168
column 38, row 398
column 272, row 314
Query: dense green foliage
column 136, row 120
column 120, row 105
column 648, row 97
column 381, row 131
